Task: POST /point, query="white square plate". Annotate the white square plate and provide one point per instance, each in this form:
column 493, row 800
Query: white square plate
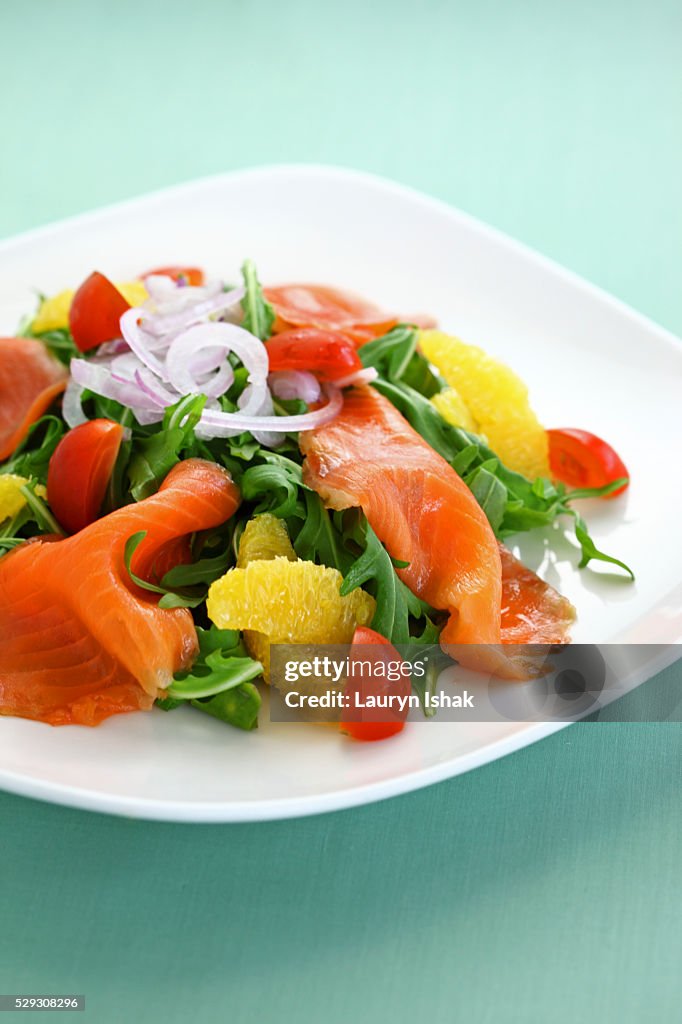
column 589, row 361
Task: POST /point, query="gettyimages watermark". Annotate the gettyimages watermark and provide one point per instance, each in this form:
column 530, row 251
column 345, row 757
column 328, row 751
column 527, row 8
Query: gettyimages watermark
column 475, row 683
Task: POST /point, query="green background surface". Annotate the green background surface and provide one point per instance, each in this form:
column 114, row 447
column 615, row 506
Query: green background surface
column 544, row 887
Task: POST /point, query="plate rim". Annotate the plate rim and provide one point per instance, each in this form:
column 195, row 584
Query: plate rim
column 278, row 809
column 230, row 811
column 285, row 808
column 340, row 172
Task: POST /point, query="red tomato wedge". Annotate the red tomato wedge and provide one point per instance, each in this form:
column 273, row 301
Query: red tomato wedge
column 186, row 275
column 386, row 678
column 80, row 470
column 581, row 459
column 96, row 312
column 329, row 355
column 317, row 305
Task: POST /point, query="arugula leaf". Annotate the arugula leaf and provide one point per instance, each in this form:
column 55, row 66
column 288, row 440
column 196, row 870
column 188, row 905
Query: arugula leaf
column 589, row 549
column 31, row 457
column 419, row 375
column 151, row 461
column 319, row 539
column 394, row 355
column 220, row 681
column 206, row 571
column 259, row 315
column 274, row 484
column 224, row 673
column 243, row 447
column 59, row 343
column 39, row 510
column 447, row 440
column 8, row 543
column 396, row 604
column 154, row 456
column 465, row 459
column 238, row 706
column 391, row 353
column 489, row 492
column 33, row 519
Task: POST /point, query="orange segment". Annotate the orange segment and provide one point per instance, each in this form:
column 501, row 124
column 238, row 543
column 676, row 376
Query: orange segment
column 276, row 598
column 495, row 397
column 264, row 537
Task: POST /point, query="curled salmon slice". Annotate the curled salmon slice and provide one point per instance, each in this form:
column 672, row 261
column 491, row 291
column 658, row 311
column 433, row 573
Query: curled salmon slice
column 79, row 641
column 30, row 380
column 369, row 456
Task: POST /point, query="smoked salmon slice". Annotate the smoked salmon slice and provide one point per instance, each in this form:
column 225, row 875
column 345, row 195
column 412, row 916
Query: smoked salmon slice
column 79, row 641
column 318, row 305
column 369, row 456
column 30, row 380
column 532, row 611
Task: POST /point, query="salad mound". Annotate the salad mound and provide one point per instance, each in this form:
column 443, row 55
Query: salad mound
column 192, row 470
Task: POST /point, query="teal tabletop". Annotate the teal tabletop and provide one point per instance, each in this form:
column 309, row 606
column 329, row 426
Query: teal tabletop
column 543, row 887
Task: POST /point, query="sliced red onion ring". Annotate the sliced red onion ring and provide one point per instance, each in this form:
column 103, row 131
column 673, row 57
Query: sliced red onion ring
column 123, row 366
column 96, row 377
column 72, row 408
column 228, row 424
column 365, row 376
column 150, row 386
column 159, row 286
column 230, row 338
column 268, row 438
column 145, row 417
column 169, row 349
column 216, row 385
column 167, row 296
column 203, row 363
column 207, row 359
column 135, row 336
column 191, row 311
column 294, row 384
column 127, row 369
column 113, row 348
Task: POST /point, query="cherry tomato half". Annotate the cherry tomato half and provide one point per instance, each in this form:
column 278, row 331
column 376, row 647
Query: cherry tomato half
column 329, row 355
column 370, row 647
column 581, row 459
column 80, row 470
column 95, row 312
column 316, row 305
column 186, row 275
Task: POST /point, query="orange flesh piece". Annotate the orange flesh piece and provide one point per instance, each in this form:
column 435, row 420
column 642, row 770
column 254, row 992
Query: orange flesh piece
column 79, row 640
column 30, row 380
